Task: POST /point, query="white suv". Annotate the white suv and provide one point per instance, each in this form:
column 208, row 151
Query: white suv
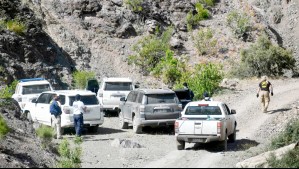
column 29, row 89
column 112, row 89
column 39, row 109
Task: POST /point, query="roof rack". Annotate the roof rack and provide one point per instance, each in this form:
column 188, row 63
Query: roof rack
column 32, row 79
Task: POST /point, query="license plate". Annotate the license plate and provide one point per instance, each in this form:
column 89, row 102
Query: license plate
column 161, row 110
column 198, row 140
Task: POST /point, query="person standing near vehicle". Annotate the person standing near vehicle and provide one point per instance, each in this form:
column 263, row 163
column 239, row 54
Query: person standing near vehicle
column 191, row 94
column 264, row 90
column 55, row 110
column 79, row 109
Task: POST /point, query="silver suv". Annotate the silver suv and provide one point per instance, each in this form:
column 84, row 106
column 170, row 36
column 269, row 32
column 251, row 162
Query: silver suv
column 149, row 107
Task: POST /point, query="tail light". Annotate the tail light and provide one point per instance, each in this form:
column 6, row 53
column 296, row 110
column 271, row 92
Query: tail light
column 142, row 111
column 176, row 127
column 218, row 127
column 67, row 110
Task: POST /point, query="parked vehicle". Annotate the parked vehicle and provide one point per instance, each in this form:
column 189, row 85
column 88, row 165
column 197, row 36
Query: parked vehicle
column 184, row 96
column 205, row 121
column 149, row 107
column 29, row 89
column 39, row 109
column 112, row 89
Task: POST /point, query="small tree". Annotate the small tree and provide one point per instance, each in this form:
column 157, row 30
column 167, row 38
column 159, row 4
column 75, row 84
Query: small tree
column 205, row 42
column 194, row 19
column 239, row 23
column 265, row 58
column 4, row 129
column 81, row 78
column 8, row 91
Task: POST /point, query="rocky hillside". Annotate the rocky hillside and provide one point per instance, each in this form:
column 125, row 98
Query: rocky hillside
column 96, row 35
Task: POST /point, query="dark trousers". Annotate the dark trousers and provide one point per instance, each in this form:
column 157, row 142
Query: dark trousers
column 78, row 123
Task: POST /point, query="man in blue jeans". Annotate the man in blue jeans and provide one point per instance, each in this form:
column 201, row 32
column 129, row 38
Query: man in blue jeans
column 79, row 109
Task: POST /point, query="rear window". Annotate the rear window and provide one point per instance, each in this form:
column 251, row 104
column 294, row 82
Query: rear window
column 87, row 100
column 116, row 86
column 203, row 110
column 161, row 98
column 34, row 89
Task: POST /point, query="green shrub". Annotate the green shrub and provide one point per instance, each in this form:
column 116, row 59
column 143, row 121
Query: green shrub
column 46, row 134
column 150, row 50
column 169, row 68
column 2, row 25
column 289, row 160
column 81, row 78
column 204, row 42
column 4, row 129
column 207, row 2
column 8, row 91
column 16, row 26
column 239, row 23
column 264, row 58
column 289, row 136
column 70, row 157
column 134, row 5
column 194, row 19
column 205, row 77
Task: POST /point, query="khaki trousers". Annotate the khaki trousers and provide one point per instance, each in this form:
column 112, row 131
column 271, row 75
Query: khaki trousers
column 56, row 124
column 265, row 99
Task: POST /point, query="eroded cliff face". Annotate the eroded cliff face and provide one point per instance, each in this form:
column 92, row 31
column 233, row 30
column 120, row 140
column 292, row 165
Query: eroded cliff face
column 98, row 35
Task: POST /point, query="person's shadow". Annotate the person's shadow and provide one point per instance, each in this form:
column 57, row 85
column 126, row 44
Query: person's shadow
column 278, row 110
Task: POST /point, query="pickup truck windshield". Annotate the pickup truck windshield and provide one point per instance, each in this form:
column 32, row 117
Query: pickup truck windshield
column 87, row 100
column 116, row 86
column 34, row 89
column 161, row 98
column 203, row 110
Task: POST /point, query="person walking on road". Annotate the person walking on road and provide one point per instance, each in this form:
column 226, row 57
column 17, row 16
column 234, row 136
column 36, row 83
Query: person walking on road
column 55, row 110
column 264, row 90
column 79, row 110
column 191, row 94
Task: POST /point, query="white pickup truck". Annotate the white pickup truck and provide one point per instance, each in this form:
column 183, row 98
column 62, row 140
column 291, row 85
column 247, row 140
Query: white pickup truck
column 205, row 121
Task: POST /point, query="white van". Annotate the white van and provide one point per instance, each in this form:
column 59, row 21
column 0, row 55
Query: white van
column 112, row 89
column 39, row 109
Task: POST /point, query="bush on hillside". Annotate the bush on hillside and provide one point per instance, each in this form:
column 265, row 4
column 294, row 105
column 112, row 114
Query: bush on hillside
column 81, row 78
column 194, row 19
column 204, row 42
column 9, row 90
column 70, row 157
column 150, row 50
column 264, row 58
column 239, row 23
column 16, row 26
column 134, row 5
column 205, row 77
column 4, row 129
column 170, row 68
column 289, row 160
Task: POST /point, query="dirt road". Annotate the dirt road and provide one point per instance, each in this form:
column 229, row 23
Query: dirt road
column 255, row 130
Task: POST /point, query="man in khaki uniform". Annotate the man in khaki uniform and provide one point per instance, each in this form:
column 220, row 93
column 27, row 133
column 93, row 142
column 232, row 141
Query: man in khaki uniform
column 264, row 90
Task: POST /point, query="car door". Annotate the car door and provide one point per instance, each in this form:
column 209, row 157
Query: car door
column 128, row 105
column 229, row 119
column 42, row 107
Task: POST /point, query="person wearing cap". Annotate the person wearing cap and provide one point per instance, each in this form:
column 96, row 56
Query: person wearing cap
column 79, row 109
column 264, row 90
column 55, row 110
column 191, row 94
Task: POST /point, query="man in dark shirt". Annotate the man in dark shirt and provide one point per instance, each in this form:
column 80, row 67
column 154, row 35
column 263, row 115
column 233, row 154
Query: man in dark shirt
column 55, row 110
column 264, row 90
column 191, row 94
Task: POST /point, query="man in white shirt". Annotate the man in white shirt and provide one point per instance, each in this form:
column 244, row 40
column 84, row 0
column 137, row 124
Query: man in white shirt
column 79, row 109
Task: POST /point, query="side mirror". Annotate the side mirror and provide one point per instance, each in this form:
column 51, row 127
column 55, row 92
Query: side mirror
column 123, row 99
column 34, row 100
column 233, row 111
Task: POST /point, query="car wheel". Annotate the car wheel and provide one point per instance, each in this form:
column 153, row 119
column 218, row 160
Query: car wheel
column 224, row 143
column 122, row 123
column 180, row 145
column 137, row 129
column 232, row 137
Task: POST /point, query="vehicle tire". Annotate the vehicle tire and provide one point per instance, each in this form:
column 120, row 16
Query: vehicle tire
column 224, row 143
column 232, row 137
column 122, row 123
column 93, row 129
column 180, row 145
column 137, row 129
